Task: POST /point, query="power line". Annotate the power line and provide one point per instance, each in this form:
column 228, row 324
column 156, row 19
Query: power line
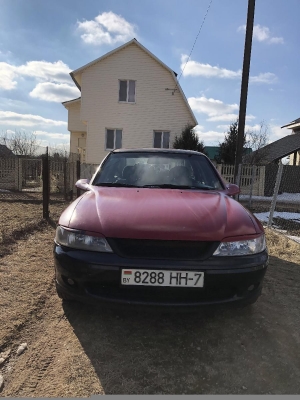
column 195, row 40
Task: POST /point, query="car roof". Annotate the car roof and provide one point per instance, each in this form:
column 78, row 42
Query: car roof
column 154, row 150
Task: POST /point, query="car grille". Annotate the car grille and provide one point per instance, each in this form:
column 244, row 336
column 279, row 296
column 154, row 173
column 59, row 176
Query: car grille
column 162, row 295
column 162, row 249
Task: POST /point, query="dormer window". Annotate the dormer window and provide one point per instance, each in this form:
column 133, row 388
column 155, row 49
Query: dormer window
column 126, row 91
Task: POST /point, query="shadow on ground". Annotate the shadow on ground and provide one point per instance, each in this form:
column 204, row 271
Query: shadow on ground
column 215, row 351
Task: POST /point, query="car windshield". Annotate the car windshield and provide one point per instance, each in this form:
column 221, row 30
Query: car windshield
column 154, row 169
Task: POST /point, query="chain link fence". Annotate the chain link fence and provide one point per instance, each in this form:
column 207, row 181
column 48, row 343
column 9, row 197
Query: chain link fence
column 271, row 192
column 34, row 188
column 63, row 172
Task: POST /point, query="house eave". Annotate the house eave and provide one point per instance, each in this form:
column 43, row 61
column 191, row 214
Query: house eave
column 70, row 102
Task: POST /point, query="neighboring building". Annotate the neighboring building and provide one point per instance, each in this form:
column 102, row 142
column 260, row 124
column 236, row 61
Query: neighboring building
column 5, row 151
column 295, row 126
column 129, row 99
column 212, row 152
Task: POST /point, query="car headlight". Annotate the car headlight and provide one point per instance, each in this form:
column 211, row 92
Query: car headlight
column 241, row 248
column 78, row 240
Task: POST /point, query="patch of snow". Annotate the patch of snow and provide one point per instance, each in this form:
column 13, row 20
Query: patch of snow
column 4, row 191
column 295, row 238
column 285, row 197
column 21, row 348
column 264, row 216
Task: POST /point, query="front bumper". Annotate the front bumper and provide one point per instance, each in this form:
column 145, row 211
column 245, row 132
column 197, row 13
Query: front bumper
column 97, row 277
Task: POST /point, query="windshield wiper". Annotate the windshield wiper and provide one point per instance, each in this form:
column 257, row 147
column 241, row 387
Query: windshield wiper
column 115, row 184
column 172, row 186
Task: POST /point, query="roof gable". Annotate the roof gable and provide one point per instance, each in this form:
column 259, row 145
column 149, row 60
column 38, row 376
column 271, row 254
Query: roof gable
column 293, row 124
column 5, row 151
column 76, row 74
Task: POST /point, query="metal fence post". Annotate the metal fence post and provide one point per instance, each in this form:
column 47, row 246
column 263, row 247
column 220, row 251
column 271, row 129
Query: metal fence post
column 65, row 177
column 78, row 175
column 238, row 179
column 276, row 189
column 46, row 187
column 253, row 174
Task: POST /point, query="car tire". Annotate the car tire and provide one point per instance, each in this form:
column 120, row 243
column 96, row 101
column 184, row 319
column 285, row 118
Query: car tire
column 61, row 294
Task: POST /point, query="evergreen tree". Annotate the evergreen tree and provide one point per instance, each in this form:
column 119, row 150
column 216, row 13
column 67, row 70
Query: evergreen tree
column 188, row 140
column 227, row 149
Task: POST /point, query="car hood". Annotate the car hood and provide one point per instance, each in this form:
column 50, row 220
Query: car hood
column 161, row 214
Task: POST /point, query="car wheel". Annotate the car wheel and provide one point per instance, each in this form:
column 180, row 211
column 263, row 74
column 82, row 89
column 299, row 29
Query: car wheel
column 61, row 294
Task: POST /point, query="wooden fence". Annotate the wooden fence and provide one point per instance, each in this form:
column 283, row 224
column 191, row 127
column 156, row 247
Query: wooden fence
column 249, row 173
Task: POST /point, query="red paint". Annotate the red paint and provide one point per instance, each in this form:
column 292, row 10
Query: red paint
column 163, row 214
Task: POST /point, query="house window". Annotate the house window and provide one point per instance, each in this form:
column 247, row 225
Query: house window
column 113, row 139
column 161, row 140
column 127, row 91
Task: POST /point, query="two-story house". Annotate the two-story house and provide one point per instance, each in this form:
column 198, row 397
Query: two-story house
column 129, row 99
column 295, row 127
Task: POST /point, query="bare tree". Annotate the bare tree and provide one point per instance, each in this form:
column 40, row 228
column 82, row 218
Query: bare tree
column 257, row 140
column 20, row 143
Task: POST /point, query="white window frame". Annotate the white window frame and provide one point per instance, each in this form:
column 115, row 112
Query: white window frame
column 128, row 102
column 162, row 138
column 112, row 129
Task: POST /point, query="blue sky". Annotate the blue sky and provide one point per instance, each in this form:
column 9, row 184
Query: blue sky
column 41, row 42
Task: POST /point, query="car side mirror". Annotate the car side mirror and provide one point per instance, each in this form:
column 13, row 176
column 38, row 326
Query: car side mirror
column 83, row 184
column 232, row 189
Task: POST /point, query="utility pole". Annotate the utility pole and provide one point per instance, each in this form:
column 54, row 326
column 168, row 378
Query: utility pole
column 244, row 87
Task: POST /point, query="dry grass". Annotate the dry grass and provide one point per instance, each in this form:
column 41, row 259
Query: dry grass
column 77, row 350
column 282, row 247
column 19, row 219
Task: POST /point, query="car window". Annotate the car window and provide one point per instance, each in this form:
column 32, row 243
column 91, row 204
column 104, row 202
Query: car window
column 158, row 169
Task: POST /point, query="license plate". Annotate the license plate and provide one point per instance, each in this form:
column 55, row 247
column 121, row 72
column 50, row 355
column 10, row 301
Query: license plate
column 162, row 278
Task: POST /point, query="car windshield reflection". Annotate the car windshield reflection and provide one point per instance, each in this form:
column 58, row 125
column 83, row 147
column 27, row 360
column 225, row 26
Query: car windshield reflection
column 154, row 170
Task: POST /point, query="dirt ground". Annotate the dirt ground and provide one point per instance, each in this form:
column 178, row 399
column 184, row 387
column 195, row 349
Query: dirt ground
column 20, row 218
column 76, row 350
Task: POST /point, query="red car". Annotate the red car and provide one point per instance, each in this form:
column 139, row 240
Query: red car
column 159, row 227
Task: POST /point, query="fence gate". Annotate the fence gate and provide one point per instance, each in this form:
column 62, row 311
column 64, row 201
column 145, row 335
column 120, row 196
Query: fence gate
column 31, row 174
column 61, row 176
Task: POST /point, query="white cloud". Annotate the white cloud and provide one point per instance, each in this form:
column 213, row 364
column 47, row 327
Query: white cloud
column 262, row 34
column 210, row 137
column 61, row 136
column 42, row 71
column 229, row 118
column 216, row 110
column 106, row 28
column 194, row 68
column 7, row 76
column 54, row 92
column 276, row 132
column 267, row 77
column 46, row 71
column 211, row 107
column 28, row 120
column 248, row 118
column 223, row 117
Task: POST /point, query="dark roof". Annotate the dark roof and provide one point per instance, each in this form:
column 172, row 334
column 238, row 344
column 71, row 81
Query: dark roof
column 5, row 151
column 213, row 151
column 278, row 149
column 297, row 121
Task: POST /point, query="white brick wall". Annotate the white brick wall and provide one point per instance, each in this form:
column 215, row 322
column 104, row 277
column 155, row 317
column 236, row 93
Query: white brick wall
column 155, row 108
